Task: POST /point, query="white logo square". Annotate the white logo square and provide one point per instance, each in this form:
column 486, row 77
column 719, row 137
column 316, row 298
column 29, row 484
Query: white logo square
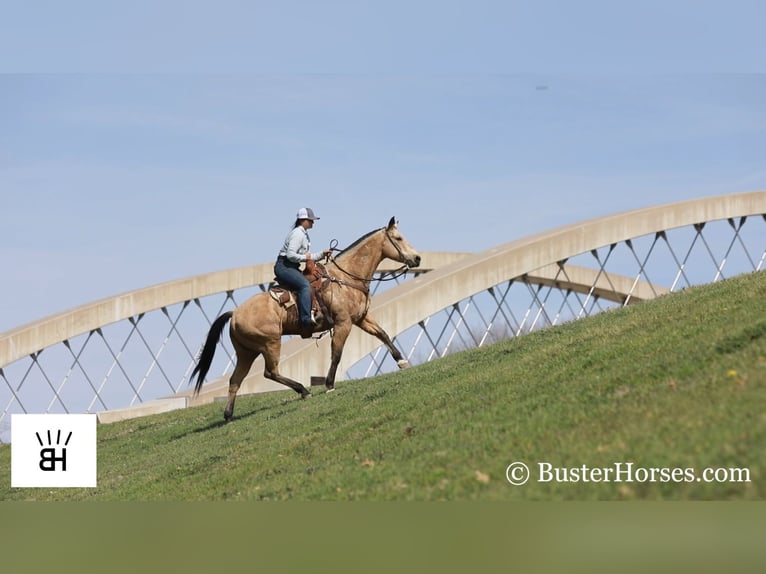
column 53, row 451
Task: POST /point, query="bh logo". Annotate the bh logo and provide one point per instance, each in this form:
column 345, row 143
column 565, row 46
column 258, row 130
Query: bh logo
column 48, row 458
column 53, row 451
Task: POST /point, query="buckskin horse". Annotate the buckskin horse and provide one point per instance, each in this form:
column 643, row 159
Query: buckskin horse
column 258, row 324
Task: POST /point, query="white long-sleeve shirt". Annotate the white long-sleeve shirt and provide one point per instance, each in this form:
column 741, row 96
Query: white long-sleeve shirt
column 297, row 246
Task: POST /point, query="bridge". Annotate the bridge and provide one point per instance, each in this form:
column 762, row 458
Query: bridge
column 132, row 354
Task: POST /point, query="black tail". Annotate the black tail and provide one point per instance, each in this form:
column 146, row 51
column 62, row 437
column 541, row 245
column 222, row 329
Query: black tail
column 206, row 357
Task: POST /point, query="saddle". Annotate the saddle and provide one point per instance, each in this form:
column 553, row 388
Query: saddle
column 318, row 279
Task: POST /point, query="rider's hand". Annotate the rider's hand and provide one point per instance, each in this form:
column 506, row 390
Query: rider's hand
column 326, row 253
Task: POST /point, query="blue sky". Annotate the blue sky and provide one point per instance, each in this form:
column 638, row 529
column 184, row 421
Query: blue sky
column 382, row 37
column 132, row 153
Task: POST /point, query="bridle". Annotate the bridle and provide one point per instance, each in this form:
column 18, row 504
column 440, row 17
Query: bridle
column 366, row 282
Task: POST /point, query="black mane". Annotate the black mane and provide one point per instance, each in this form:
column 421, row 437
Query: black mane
column 358, row 241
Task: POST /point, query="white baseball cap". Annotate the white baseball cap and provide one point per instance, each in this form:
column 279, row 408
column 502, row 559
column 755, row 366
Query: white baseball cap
column 306, row 213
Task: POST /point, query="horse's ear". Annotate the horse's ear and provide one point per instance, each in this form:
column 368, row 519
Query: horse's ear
column 391, row 223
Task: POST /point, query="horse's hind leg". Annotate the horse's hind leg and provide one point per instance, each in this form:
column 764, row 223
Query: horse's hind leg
column 271, row 358
column 339, row 336
column 245, row 358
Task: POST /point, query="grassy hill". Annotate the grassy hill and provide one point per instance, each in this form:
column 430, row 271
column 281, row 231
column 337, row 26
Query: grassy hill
column 675, row 383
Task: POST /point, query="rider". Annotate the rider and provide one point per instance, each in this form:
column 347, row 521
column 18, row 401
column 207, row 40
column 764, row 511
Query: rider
column 296, row 250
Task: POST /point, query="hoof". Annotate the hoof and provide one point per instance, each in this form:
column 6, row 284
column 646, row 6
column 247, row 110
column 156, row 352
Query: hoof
column 403, row 364
column 227, row 417
column 330, row 389
column 306, row 395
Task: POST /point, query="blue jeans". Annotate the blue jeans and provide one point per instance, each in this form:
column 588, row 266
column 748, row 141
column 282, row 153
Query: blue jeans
column 289, row 274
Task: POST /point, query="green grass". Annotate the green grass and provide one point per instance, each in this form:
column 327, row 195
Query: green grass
column 679, row 382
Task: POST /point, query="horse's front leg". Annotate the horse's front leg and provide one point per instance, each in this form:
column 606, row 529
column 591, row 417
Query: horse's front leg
column 339, row 336
column 370, row 325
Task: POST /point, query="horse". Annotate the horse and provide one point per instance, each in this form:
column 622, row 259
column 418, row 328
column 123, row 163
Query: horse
column 258, row 324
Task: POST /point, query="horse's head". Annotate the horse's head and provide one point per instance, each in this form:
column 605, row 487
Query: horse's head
column 396, row 247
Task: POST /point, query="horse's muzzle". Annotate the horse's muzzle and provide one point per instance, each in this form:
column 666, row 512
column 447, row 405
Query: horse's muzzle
column 414, row 262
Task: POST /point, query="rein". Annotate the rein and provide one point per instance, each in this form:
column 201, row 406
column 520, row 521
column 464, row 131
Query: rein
column 366, row 289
